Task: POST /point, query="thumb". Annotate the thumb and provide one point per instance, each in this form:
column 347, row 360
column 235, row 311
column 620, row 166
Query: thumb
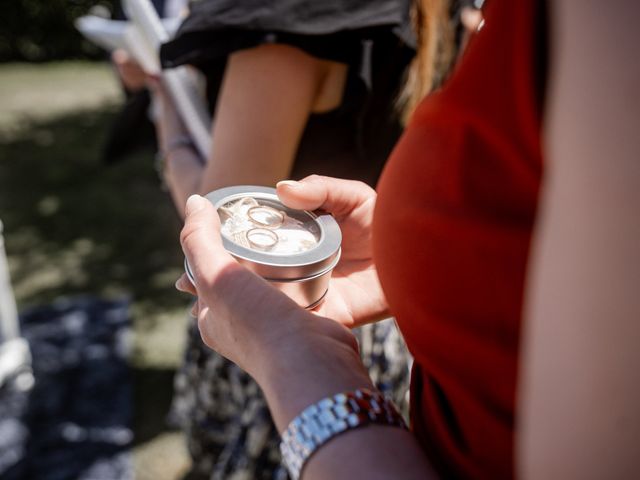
column 334, row 195
column 201, row 242
column 221, row 282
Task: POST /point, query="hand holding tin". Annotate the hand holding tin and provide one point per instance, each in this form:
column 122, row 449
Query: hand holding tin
column 294, row 250
column 235, row 308
column 355, row 296
column 283, row 347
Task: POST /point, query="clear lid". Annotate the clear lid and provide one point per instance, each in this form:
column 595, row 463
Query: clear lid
column 272, row 240
column 266, row 225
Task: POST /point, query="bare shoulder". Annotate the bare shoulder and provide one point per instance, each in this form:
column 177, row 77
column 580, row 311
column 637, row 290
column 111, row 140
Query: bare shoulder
column 289, row 65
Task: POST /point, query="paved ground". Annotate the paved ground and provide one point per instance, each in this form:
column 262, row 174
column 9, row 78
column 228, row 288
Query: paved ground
column 75, row 226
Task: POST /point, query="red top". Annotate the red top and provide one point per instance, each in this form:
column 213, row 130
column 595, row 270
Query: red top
column 452, row 228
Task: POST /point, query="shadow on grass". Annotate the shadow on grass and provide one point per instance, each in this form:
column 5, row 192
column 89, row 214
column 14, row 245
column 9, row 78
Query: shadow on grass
column 152, row 399
column 74, row 225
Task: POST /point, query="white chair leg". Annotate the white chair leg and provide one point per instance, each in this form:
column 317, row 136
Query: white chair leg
column 15, row 357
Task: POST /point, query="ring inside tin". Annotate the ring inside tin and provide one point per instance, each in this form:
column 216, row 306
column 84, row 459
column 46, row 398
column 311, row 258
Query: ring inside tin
column 262, row 238
column 262, row 224
column 266, row 216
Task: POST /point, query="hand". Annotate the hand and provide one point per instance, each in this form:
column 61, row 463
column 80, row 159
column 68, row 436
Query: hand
column 472, row 20
column 244, row 318
column 130, row 72
column 134, row 78
column 296, row 357
column 355, row 296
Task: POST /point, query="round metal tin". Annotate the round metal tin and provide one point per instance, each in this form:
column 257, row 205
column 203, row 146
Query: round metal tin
column 295, row 250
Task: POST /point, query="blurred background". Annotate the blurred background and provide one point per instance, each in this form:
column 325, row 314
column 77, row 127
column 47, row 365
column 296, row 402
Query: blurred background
column 92, row 249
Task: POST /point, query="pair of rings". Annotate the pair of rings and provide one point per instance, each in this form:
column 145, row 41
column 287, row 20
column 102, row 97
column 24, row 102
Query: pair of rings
column 267, row 219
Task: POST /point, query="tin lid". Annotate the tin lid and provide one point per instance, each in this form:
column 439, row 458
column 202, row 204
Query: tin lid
column 274, row 241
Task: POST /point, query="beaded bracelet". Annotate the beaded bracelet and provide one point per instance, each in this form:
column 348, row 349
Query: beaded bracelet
column 322, row 421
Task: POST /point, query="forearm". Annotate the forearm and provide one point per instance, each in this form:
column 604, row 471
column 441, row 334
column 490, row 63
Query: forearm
column 298, row 358
column 579, row 393
column 295, row 378
column 262, row 109
column 180, row 166
column 373, row 452
column 182, row 173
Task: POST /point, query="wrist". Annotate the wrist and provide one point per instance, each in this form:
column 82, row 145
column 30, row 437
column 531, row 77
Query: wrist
column 332, row 416
column 178, row 156
column 302, row 369
column 172, row 144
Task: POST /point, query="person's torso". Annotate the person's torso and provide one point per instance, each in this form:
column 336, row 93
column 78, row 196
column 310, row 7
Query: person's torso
column 452, row 228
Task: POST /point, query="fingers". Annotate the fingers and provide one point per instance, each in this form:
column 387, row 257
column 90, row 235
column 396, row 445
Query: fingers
column 183, row 284
column 119, row 57
column 235, row 308
column 334, row 195
column 132, row 75
column 201, row 242
column 471, row 18
column 219, row 279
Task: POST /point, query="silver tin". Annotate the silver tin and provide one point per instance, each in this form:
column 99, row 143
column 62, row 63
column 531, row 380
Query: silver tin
column 295, row 250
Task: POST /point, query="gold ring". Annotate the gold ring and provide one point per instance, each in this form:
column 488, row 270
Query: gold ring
column 265, row 216
column 262, row 238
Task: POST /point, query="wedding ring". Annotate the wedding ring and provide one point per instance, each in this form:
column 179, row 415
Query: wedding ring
column 262, row 238
column 265, row 216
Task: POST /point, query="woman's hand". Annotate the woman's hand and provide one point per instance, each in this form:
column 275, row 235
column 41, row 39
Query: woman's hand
column 296, row 357
column 355, row 296
column 179, row 163
column 134, row 78
column 239, row 314
column 131, row 74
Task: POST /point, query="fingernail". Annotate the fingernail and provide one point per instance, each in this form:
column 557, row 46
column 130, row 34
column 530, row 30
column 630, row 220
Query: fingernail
column 288, row 183
column 194, row 204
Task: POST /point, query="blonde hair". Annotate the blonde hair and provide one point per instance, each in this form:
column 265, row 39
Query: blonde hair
column 435, row 38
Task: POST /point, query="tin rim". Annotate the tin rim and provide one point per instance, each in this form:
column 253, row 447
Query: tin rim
column 311, row 306
column 190, row 276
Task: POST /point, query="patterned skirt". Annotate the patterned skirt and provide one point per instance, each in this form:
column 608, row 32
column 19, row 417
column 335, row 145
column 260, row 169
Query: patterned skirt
column 222, row 410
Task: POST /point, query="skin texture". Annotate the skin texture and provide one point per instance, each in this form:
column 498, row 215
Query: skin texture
column 578, row 414
column 266, row 97
column 358, row 297
column 297, row 357
column 580, row 391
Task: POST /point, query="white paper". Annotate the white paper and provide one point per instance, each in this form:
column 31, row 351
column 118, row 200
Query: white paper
column 109, row 34
column 141, row 37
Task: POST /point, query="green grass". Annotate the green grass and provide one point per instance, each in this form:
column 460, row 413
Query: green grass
column 37, row 91
column 76, row 226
